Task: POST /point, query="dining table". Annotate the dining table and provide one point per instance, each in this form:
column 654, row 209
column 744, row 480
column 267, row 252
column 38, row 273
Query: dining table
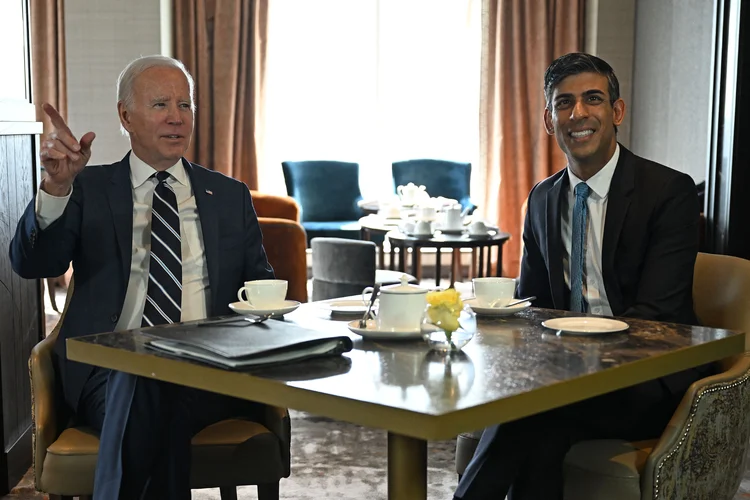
column 513, row 367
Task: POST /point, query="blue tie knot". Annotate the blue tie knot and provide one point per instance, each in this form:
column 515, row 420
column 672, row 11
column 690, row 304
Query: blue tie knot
column 164, row 175
column 582, row 190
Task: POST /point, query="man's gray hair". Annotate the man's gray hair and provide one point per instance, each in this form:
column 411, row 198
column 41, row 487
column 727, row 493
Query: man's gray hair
column 126, row 80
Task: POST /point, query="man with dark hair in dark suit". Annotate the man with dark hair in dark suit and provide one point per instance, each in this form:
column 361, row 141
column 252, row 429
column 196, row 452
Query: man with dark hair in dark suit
column 613, row 234
column 154, row 239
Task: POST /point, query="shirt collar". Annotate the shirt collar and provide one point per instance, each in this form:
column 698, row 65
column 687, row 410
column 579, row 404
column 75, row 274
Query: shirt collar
column 601, row 181
column 140, row 171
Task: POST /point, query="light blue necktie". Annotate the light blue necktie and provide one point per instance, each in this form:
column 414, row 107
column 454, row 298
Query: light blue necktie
column 578, row 250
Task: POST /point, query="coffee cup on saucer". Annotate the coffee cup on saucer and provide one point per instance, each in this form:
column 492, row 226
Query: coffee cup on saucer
column 478, row 228
column 495, row 291
column 423, row 228
column 408, row 227
column 263, row 294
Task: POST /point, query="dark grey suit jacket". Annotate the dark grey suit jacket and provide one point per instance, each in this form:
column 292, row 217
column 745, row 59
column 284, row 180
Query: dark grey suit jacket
column 96, row 233
column 649, row 248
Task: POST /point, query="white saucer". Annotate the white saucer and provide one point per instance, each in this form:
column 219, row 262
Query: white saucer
column 453, row 231
column 585, row 325
column 344, row 306
column 486, row 310
column 372, row 332
column 245, row 308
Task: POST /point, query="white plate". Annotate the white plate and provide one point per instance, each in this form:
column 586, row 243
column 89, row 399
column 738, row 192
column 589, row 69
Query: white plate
column 244, row 308
column 344, row 306
column 372, row 332
column 584, row 325
column 485, row 310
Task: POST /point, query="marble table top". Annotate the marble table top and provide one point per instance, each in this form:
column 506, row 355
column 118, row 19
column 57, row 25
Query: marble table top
column 513, row 367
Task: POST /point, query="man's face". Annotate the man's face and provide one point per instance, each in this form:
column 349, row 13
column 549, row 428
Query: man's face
column 583, row 120
column 160, row 120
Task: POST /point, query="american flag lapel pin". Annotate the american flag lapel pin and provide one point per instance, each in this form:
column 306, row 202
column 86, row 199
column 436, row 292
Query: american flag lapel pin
column 208, row 191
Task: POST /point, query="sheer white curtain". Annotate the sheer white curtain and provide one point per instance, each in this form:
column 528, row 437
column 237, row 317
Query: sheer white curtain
column 371, row 81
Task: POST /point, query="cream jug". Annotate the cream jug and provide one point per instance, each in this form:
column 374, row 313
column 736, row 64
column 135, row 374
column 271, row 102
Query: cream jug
column 401, row 307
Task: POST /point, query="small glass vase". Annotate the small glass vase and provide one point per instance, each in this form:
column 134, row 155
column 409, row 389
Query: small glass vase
column 446, row 341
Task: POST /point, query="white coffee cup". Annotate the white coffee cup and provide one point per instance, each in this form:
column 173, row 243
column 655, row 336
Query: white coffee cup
column 478, row 228
column 423, row 228
column 263, row 294
column 497, row 290
column 452, row 217
column 427, row 213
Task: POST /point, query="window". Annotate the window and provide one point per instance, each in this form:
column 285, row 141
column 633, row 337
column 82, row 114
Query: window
column 370, row 81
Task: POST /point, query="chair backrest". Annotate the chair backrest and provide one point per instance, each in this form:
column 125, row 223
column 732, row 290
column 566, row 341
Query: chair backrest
column 325, row 190
column 280, row 207
column 448, row 179
column 341, row 267
column 721, row 292
column 285, row 243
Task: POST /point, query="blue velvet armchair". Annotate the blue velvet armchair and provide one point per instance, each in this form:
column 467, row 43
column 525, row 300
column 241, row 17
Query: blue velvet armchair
column 327, row 192
column 444, row 178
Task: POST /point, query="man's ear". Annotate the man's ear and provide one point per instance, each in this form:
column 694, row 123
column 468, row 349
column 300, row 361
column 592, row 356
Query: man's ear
column 548, row 126
column 618, row 112
column 124, row 115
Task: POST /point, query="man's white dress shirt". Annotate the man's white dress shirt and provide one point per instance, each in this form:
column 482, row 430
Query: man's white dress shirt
column 593, row 283
column 196, row 292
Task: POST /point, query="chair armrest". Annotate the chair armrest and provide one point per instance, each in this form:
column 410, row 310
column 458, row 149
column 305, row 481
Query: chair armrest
column 705, row 441
column 276, row 420
column 44, row 421
column 269, row 205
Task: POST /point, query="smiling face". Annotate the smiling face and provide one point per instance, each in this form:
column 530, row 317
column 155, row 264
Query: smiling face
column 583, row 121
column 160, row 119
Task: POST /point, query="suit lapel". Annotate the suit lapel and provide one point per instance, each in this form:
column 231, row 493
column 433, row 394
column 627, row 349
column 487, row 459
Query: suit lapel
column 205, row 200
column 618, row 203
column 120, row 196
column 554, row 241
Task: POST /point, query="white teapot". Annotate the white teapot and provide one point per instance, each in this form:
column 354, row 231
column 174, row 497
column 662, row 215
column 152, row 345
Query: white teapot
column 453, row 217
column 411, row 194
column 401, row 307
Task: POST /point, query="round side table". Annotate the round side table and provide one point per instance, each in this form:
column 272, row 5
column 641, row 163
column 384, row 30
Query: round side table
column 455, row 243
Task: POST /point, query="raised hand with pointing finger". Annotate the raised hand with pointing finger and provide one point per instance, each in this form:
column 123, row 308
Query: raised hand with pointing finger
column 62, row 155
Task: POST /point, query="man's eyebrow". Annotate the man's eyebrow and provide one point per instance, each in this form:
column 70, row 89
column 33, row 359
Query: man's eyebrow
column 586, row 93
column 161, row 98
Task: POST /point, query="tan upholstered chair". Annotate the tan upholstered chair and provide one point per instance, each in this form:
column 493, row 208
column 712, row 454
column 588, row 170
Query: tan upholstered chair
column 284, row 240
column 714, row 415
column 226, row 454
column 702, row 452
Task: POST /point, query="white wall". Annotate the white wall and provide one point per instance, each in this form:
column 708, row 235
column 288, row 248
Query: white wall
column 102, row 37
column 672, row 83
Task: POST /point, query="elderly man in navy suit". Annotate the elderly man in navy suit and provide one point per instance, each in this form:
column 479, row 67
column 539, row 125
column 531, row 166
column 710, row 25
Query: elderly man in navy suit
column 154, row 239
column 612, row 234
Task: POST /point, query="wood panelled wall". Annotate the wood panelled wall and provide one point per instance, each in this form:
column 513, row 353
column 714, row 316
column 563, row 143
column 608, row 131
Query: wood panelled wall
column 21, row 312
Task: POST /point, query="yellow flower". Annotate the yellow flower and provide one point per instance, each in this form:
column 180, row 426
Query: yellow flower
column 445, row 308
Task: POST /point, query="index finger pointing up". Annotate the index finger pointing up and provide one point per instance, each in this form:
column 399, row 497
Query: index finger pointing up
column 55, row 117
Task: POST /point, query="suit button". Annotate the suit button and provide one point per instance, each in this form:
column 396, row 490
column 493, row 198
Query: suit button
column 114, row 318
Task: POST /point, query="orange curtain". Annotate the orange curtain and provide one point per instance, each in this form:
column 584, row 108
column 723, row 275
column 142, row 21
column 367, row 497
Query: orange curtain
column 519, row 41
column 223, row 45
column 48, row 57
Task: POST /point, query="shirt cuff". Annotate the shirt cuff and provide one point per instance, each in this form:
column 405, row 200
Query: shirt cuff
column 50, row 208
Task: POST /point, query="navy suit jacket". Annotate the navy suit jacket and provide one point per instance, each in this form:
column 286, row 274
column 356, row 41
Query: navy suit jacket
column 96, row 233
column 648, row 253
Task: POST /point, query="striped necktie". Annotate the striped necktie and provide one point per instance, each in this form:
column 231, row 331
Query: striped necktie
column 578, row 250
column 164, row 295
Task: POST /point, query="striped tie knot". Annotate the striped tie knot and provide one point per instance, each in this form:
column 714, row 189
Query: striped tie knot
column 162, row 176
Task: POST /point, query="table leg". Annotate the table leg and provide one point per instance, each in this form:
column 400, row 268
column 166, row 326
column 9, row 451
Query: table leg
column 437, row 267
column 381, row 256
column 392, row 263
column 415, row 263
column 473, row 267
column 499, row 260
column 481, row 262
column 402, row 258
column 489, row 261
column 407, row 468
